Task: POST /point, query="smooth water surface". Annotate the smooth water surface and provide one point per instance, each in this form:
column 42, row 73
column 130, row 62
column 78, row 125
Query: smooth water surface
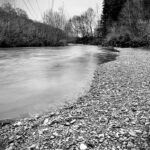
column 34, row 80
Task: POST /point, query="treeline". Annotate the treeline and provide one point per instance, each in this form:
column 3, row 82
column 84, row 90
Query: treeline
column 125, row 23
column 16, row 29
column 83, row 27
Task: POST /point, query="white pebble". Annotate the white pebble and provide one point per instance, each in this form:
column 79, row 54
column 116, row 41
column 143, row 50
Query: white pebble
column 46, row 121
column 83, row 147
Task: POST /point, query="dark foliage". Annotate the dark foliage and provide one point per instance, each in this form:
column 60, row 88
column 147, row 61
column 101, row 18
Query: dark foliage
column 87, row 40
column 111, row 11
column 125, row 23
column 82, row 27
column 16, row 29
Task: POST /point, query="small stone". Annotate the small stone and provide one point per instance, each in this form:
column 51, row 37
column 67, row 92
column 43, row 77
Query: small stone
column 82, row 131
column 117, row 135
column 124, row 109
column 80, row 139
column 121, row 139
column 42, row 131
column 114, row 114
column 55, row 134
column 12, row 144
column 134, row 109
column 11, row 139
column 103, row 119
column 132, row 133
column 135, row 104
column 122, row 131
column 9, row 148
column 32, row 147
column 18, row 124
column 46, row 122
column 142, row 121
column 52, row 137
column 138, row 131
column 67, row 124
column 113, row 148
column 130, row 145
column 36, row 116
column 83, row 147
column 18, row 137
column 73, row 121
column 133, row 122
column 127, row 120
column 101, row 136
column 101, row 140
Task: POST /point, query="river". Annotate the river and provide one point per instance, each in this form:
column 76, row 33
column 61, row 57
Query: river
column 35, row 80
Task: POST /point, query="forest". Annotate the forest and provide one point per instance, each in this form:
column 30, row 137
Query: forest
column 125, row 23
column 55, row 29
column 83, row 27
column 16, row 29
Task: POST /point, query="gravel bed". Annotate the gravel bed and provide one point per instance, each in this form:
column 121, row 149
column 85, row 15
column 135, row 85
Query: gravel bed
column 113, row 115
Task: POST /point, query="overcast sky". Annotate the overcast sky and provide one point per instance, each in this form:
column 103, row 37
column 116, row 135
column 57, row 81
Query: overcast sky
column 71, row 7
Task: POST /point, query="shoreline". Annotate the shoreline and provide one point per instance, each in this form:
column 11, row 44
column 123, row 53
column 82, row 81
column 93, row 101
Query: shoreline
column 104, row 57
column 113, row 114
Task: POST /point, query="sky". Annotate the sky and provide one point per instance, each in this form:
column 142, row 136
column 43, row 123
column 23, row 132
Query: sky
column 36, row 8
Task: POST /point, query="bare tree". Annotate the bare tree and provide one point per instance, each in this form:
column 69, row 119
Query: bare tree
column 21, row 13
column 83, row 25
column 56, row 19
column 90, row 20
column 75, row 26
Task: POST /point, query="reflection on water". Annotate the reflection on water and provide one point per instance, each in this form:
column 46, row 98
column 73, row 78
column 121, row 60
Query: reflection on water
column 33, row 80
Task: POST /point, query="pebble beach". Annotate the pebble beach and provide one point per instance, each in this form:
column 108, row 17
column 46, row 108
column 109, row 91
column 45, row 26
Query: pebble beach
column 113, row 115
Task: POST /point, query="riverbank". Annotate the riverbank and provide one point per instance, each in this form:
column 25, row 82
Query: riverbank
column 114, row 114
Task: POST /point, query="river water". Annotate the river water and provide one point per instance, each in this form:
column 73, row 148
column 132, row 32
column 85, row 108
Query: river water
column 35, row 80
